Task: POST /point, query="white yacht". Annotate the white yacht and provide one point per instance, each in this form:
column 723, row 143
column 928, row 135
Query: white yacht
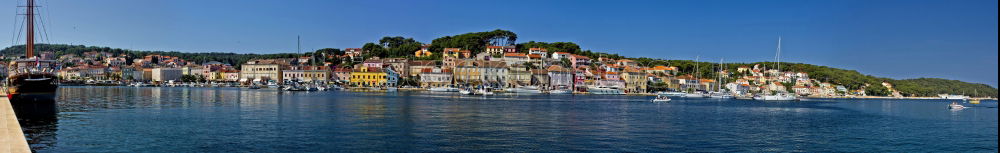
column 605, row 91
column 694, row 95
column 671, row 93
column 776, row 97
column 524, row 89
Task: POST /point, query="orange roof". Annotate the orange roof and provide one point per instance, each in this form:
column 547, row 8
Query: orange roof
column 514, row 54
column 494, row 47
column 534, row 56
column 707, row 80
column 580, row 57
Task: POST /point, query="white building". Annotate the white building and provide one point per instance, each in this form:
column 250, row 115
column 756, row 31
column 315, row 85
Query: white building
column 166, row 74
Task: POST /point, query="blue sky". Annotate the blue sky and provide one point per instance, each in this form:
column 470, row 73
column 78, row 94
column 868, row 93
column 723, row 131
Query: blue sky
column 888, row 38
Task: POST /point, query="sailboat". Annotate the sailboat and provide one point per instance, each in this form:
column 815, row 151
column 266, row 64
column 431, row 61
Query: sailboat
column 780, row 96
column 719, row 93
column 31, row 84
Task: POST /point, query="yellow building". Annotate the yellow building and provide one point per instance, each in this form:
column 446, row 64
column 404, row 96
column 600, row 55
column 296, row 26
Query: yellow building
column 635, row 80
column 365, row 76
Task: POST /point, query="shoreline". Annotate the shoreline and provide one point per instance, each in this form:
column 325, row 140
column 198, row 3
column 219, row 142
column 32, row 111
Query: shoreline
column 369, row 89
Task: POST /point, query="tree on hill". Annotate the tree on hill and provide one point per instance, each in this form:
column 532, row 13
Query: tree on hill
column 475, row 42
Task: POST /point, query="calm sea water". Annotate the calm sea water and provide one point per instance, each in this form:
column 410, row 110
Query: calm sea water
column 148, row 119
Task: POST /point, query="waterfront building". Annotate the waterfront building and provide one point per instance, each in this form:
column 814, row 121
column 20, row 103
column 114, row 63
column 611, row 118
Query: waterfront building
column 262, row 70
column 539, row 77
column 192, row 69
column 391, row 77
column 494, row 73
column 580, row 78
column 166, row 74
column 231, row 75
column 368, row 77
column 341, row 75
column 418, row 66
column 468, row 72
column 518, row 76
column 559, row 77
column 435, row 77
column 316, row 74
column 635, row 80
column 399, row 65
column 611, row 79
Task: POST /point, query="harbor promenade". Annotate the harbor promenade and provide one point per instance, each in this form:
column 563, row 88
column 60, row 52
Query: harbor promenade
column 11, row 137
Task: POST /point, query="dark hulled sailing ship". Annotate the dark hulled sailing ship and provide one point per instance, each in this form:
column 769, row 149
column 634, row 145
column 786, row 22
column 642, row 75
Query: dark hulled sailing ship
column 31, row 84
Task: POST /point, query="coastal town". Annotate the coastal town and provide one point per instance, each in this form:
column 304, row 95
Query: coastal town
column 496, row 69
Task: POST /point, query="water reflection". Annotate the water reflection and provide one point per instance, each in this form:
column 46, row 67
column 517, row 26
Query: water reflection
column 235, row 120
column 40, row 132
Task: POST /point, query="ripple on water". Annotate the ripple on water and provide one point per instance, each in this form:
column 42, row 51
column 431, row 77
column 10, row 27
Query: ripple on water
column 123, row 119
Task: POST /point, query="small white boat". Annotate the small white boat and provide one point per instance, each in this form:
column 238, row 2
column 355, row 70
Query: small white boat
column 391, row 89
column 661, row 98
column 955, row 105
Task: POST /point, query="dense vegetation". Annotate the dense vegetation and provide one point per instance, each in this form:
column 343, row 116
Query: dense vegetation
column 933, row 86
column 399, row 46
column 228, row 58
column 476, row 41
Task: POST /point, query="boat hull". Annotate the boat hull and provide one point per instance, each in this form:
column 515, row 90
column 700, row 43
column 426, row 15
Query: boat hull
column 32, row 98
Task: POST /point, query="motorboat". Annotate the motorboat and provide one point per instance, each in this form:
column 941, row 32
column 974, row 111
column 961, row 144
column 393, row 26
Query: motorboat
column 661, row 98
column 955, row 105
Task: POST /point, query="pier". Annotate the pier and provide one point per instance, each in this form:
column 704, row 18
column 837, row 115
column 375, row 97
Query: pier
column 11, row 137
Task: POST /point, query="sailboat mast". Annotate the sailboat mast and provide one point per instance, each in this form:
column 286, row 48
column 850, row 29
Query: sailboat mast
column 777, row 56
column 30, row 41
